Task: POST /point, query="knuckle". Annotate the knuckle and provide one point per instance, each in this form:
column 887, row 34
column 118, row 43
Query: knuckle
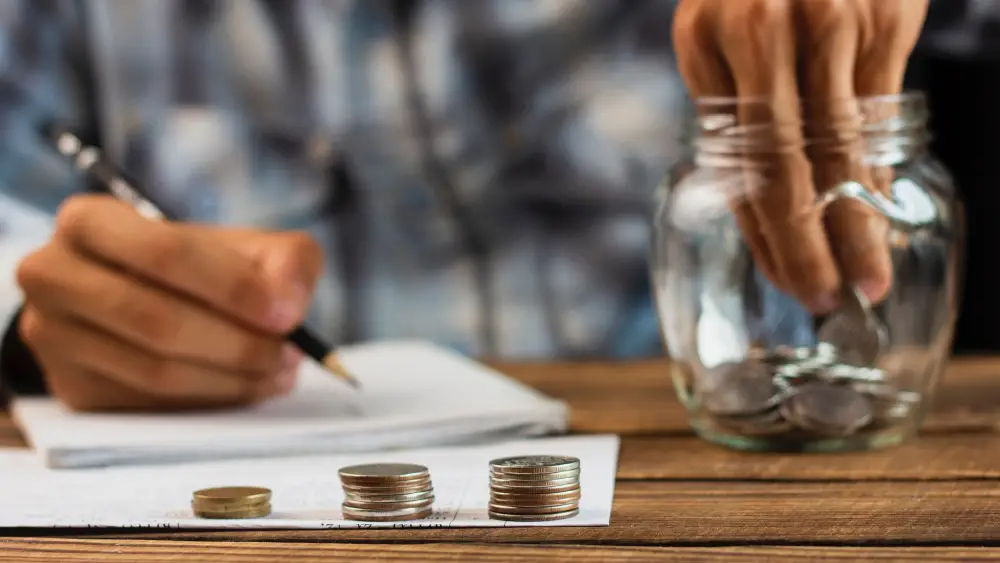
column 166, row 251
column 74, row 215
column 153, row 322
column 257, row 355
column 162, row 377
column 248, row 293
column 32, row 269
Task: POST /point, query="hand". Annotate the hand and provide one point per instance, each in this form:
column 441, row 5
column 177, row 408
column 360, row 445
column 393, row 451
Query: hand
column 126, row 313
column 850, row 49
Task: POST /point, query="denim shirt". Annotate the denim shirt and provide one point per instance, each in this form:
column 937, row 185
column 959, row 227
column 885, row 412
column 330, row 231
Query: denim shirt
column 480, row 172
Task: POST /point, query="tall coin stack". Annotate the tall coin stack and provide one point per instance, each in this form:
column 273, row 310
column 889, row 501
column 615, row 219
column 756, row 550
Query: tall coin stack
column 386, row 492
column 534, row 488
column 232, row 502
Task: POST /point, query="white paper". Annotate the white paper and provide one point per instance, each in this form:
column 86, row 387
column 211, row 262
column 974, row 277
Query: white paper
column 306, row 491
column 414, row 395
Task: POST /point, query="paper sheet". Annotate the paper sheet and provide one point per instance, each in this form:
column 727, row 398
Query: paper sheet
column 306, row 492
column 415, row 394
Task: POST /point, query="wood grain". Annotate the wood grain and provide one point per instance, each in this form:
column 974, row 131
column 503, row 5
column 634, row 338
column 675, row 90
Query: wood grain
column 151, row 551
column 680, row 513
column 638, row 398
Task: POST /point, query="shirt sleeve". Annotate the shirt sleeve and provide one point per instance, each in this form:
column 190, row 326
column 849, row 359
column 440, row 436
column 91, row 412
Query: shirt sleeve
column 44, row 70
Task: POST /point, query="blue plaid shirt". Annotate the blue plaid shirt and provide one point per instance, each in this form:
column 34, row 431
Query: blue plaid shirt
column 479, row 171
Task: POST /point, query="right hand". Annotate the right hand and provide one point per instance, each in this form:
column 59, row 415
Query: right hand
column 125, row 313
column 755, row 49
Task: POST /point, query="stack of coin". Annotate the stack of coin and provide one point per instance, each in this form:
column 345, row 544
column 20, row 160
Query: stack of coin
column 386, row 492
column 534, row 488
column 232, row 502
column 831, row 389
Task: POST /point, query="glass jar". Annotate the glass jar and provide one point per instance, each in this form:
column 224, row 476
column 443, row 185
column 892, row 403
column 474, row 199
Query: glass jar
column 757, row 369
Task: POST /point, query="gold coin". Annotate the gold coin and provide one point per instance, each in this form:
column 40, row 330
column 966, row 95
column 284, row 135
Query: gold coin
column 219, row 507
column 538, row 488
column 229, row 495
column 523, row 510
column 361, row 514
column 533, row 517
column 256, row 512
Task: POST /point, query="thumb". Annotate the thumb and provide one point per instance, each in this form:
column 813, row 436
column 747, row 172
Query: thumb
column 290, row 261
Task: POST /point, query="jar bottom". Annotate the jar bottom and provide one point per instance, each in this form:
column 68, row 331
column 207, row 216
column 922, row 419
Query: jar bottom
column 872, row 440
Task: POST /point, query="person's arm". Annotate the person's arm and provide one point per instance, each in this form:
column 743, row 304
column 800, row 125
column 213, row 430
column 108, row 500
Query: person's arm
column 43, row 75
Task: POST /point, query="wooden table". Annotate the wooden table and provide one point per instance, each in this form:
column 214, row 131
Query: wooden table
column 677, row 498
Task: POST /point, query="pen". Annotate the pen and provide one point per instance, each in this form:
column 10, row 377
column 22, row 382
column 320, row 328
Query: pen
column 108, row 178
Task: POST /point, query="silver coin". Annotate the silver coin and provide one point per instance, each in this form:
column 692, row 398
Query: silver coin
column 854, row 331
column 572, row 474
column 829, row 409
column 535, row 464
column 388, row 497
column 388, row 506
column 373, row 473
column 534, row 483
column 745, row 391
column 532, row 517
column 854, row 374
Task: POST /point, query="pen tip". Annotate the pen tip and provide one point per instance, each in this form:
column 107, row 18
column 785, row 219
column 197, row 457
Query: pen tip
column 332, row 364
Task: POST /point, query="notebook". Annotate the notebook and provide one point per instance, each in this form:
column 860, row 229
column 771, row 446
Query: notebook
column 415, row 394
column 306, row 491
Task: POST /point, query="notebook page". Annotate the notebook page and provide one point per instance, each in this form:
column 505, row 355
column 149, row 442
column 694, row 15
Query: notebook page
column 306, row 490
column 407, row 386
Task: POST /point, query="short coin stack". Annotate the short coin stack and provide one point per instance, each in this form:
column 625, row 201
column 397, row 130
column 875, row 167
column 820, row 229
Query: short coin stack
column 232, row 502
column 386, row 492
column 534, row 488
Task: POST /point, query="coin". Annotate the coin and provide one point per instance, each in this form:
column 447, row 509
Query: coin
column 573, row 474
column 533, row 517
column 522, row 489
column 532, row 510
column 386, row 492
column 538, row 499
column 231, row 502
column 383, row 497
column 397, row 487
column 361, row 514
column 535, row 464
column 768, row 423
column 747, row 390
column 382, row 473
column 829, row 409
column 854, row 331
column 232, row 495
column 515, row 483
column 260, row 511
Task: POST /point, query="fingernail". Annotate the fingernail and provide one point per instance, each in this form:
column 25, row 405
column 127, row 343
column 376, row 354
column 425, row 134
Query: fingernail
column 286, row 310
column 824, row 303
column 872, row 289
column 290, row 357
column 285, row 381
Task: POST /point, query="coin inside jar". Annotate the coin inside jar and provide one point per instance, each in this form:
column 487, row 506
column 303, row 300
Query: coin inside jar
column 748, row 389
column 854, row 331
column 829, row 409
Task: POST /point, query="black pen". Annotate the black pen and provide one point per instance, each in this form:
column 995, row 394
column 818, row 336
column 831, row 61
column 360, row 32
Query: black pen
column 108, row 178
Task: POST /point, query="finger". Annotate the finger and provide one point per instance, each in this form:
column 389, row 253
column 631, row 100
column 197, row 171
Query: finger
column 93, row 350
column 858, row 235
column 58, row 280
column 759, row 44
column 706, row 74
column 177, row 258
column 292, row 260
